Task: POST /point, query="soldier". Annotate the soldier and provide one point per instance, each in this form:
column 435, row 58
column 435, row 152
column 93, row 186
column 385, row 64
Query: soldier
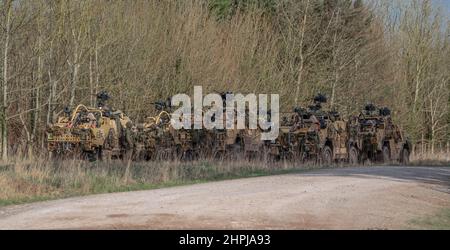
column 102, row 98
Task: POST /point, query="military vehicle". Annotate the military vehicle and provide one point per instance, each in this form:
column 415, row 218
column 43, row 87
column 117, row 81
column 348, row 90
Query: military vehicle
column 319, row 136
column 92, row 133
column 286, row 146
column 333, row 134
column 253, row 145
column 375, row 138
column 226, row 143
column 147, row 137
column 307, row 132
column 184, row 142
column 155, row 136
column 162, row 142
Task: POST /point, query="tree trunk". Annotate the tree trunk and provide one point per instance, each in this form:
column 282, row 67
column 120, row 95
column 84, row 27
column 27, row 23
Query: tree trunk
column 302, row 59
column 91, row 81
column 422, row 142
column 417, row 87
column 448, row 151
column 5, row 83
column 74, row 84
column 36, row 112
column 75, row 67
column 97, row 74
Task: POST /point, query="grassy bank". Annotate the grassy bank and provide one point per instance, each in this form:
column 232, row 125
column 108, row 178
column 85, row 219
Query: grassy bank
column 23, row 181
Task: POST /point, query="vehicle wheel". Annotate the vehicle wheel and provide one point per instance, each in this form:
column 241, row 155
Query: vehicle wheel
column 187, row 155
column 327, row 156
column 218, row 155
column 364, row 159
column 404, row 156
column 262, row 155
column 303, row 157
column 353, row 156
column 89, row 156
column 386, row 154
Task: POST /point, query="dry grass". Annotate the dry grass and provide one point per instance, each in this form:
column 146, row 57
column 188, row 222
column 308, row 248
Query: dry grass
column 436, row 159
column 25, row 181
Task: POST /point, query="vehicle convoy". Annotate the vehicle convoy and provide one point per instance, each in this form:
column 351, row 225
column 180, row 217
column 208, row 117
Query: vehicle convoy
column 374, row 137
column 309, row 134
column 91, row 132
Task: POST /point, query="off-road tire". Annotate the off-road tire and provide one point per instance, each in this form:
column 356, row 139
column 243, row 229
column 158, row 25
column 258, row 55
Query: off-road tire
column 404, row 156
column 327, row 156
column 353, row 156
column 386, row 153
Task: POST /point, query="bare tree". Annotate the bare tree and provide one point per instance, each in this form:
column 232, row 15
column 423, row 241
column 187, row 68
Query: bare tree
column 7, row 9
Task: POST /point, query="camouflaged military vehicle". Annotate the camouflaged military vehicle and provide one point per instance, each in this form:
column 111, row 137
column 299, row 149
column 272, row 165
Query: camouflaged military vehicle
column 306, row 130
column 185, row 141
column 160, row 141
column 298, row 137
column 314, row 135
column 254, row 147
column 332, row 132
column 225, row 143
column 375, row 138
column 286, row 146
column 92, row 133
column 155, row 136
column 148, row 137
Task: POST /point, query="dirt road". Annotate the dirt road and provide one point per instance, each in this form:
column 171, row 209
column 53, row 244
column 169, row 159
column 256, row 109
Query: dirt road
column 344, row 198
